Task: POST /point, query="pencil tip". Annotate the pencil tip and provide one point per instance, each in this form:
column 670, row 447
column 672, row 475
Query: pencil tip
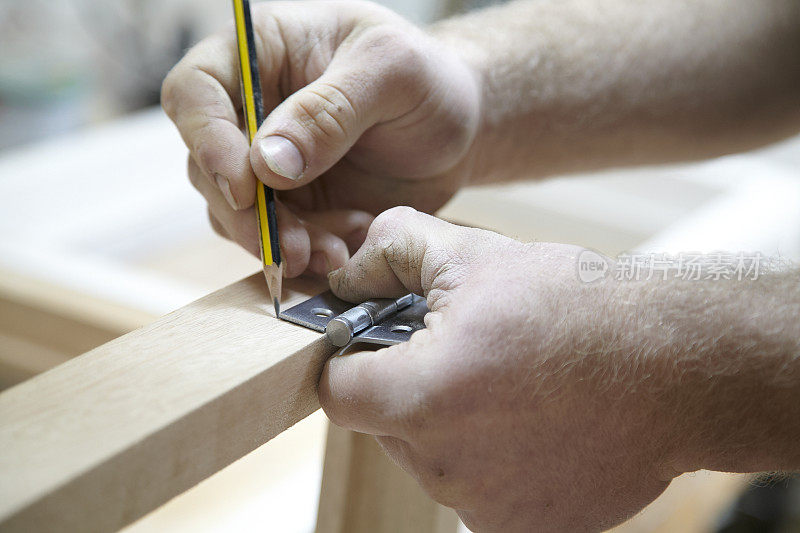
column 274, row 275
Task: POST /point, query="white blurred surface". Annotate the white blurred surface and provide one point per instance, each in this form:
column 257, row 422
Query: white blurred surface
column 91, row 209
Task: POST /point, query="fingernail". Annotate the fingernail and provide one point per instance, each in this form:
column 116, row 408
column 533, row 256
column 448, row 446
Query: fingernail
column 318, row 264
column 334, row 275
column 225, row 187
column 282, row 157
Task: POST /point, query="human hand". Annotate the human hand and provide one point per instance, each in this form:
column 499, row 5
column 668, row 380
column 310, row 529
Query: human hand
column 365, row 112
column 522, row 405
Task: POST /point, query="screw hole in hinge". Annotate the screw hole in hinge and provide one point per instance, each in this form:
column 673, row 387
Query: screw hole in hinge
column 397, row 329
column 322, row 312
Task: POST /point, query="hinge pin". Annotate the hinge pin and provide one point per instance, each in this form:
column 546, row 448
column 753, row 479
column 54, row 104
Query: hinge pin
column 341, row 329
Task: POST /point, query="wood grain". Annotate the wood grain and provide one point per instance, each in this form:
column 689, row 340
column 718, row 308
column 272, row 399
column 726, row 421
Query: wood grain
column 97, row 442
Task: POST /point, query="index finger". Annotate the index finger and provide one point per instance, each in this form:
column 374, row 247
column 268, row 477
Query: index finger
column 202, row 97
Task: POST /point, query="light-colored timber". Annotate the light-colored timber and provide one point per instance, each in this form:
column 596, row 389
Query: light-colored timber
column 102, row 439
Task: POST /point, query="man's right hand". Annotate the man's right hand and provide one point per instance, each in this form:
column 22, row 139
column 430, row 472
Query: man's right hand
column 365, row 112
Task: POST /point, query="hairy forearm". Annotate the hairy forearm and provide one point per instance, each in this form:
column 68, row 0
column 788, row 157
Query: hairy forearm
column 573, row 85
column 723, row 360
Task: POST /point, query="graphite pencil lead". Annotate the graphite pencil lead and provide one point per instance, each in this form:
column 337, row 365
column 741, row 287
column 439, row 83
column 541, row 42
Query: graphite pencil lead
column 274, row 275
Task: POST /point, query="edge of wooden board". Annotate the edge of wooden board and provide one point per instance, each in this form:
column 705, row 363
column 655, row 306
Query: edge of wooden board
column 104, row 438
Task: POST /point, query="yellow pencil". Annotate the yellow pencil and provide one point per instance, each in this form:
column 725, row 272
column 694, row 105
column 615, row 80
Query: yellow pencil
column 253, row 106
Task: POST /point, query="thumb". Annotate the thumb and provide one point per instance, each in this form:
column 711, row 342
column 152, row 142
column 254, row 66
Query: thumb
column 407, row 251
column 315, row 127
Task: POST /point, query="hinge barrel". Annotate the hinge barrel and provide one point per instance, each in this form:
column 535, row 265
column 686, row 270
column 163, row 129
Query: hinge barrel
column 342, row 328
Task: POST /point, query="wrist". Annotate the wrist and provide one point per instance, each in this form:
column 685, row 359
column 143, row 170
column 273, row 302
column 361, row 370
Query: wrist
column 477, row 160
column 526, row 128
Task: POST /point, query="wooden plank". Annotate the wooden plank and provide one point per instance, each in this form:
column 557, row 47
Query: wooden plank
column 76, row 306
column 363, row 491
column 59, row 332
column 97, row 442
column 273, row 488
column 36, row 338
column 43, row 325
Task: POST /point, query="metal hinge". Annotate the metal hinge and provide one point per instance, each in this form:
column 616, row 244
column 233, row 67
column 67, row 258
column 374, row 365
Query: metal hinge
column 383, row 321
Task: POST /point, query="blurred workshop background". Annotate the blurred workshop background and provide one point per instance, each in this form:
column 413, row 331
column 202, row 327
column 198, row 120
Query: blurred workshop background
column 100, row 232
column 65, row 64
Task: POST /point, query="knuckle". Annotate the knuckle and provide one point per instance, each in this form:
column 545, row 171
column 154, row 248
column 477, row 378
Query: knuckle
column 209, row 151
column 205, row 154
column 337, row 251
column 194, row 174
column 390, row 233
column 245, row 231
column 216, row 225
column 218, row 230
column 401, row 54
column 392, row 221
column 168, row 89
column 295, row 247
column 327, row 112
column 399, row 44
column 402, row 255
